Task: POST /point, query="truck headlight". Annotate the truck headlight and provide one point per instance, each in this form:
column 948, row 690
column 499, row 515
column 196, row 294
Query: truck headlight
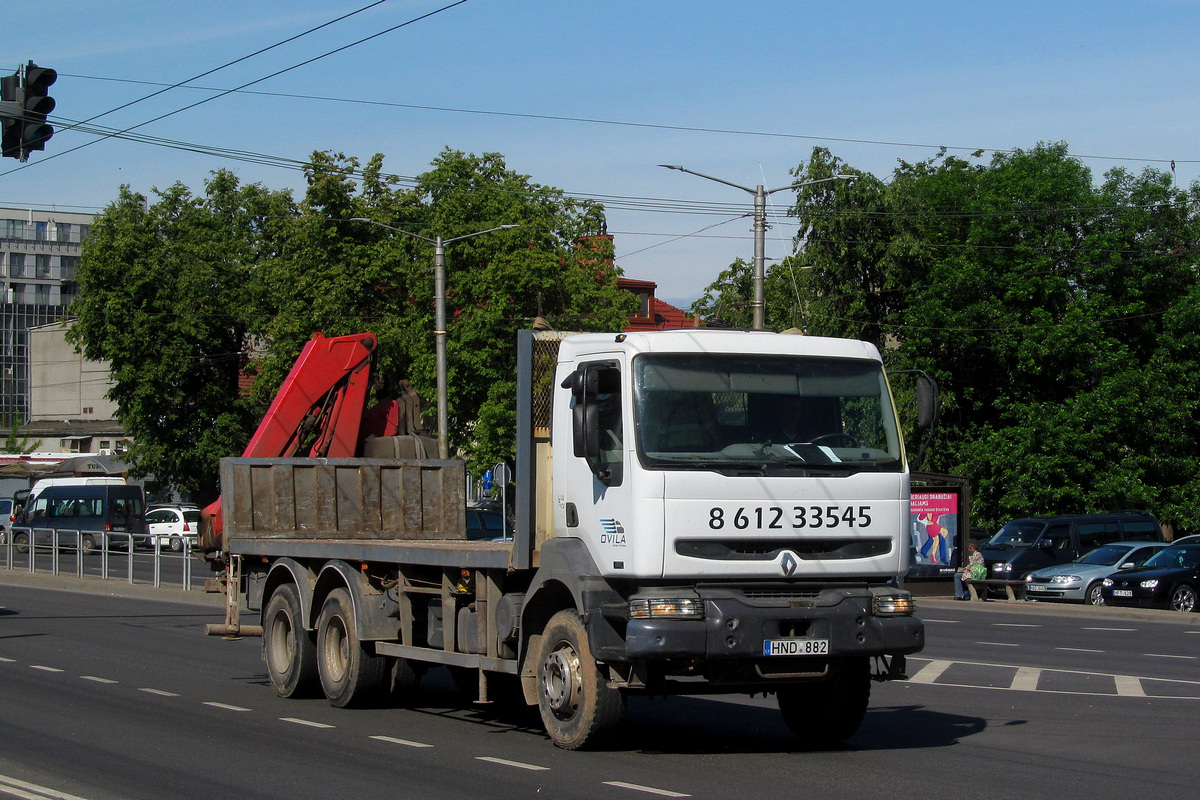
column 672, row 607
column 892, row 605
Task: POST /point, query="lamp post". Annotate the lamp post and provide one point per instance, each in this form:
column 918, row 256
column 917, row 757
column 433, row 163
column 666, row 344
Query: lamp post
column 439, row 323
column 758, row 304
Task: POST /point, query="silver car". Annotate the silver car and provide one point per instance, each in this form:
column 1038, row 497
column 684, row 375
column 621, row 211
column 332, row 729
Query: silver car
column 1080, row 580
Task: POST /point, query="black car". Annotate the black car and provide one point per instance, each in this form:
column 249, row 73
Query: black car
column 1169, row 579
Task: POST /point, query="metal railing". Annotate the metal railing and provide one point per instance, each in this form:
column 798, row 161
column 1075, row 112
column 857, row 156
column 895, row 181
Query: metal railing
column 109, row 555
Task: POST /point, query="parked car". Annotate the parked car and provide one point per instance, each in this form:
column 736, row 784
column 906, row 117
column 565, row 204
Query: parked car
column 7, row 516
column 173, row 526
column 484, row 524
column 1169, row 579
column 1028, row 544
column 1080, row 580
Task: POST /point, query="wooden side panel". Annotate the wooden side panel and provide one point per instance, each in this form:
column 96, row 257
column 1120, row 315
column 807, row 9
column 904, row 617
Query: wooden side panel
column 355, row 499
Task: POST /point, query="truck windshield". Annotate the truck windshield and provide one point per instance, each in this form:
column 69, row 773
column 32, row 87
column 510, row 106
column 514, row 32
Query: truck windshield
column 774, row 412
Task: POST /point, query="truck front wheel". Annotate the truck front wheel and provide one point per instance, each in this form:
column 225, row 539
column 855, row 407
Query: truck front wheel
column 827, row 712
column 350, row 674
column 576, row 704
column 288, row 648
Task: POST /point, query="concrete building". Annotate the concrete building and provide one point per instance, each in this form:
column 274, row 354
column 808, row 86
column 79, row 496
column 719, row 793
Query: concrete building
column 39, row 253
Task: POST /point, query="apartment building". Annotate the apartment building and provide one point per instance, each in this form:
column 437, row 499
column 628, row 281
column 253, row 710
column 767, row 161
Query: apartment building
column 39, row 254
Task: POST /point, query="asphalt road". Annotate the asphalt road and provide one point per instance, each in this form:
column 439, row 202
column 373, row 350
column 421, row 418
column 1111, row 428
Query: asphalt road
column 115, row 693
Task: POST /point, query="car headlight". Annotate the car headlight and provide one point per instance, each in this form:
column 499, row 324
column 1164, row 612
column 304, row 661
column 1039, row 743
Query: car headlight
column 1107, row 582
column 1065, row 579
column 1001, row 569
column 672, row 607
column 1150, row 584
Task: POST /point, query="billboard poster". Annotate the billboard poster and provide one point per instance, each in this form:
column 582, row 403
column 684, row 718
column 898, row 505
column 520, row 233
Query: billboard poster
column 933, row 528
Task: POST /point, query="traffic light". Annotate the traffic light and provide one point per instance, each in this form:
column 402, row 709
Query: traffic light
column 24, row 105
column 36, row 104
column 10, row 115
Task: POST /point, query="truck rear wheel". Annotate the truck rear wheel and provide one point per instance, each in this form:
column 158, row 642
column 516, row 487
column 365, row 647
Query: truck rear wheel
column 576, row 704
column 288, row 649
column 825, row 713
column 350, row 674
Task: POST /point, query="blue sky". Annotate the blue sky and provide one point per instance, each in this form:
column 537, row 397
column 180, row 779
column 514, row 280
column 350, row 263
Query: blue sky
column 873, row 81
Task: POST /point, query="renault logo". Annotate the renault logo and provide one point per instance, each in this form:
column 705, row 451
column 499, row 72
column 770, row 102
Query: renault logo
column 788, row 564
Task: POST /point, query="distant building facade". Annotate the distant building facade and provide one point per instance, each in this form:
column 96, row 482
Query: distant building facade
column 39, row 256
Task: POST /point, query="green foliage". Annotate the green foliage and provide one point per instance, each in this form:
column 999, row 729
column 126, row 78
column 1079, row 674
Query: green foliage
column 175, row 293
column 164, row 296
column 1058, row 315
column 16, row 444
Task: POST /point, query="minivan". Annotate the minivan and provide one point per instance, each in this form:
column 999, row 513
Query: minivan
column 58, row 512
column 1024, row 545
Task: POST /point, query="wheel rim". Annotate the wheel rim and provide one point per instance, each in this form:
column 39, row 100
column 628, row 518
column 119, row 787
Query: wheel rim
column 1094, row 596
column 562, row 681
column 282, row 643
column 1184, row 599
column 88, row 544
column 337, row 649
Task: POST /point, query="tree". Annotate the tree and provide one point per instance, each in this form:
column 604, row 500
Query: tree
column 339, row 276
column 174, row 293
column 164, row 296
column 1057, row 314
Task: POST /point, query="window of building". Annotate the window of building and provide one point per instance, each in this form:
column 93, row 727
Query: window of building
column 41, row 294
column 68, row 265
column 16, row 265
column 41, row 265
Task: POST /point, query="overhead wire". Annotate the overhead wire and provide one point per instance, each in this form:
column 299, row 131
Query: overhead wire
column 275, row 74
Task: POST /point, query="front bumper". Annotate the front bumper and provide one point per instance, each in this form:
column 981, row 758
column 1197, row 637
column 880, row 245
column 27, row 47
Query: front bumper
column 735, row 627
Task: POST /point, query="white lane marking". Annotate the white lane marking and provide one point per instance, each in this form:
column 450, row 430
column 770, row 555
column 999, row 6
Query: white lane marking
column 44, row 669
column 306, row 722
column 1168, row 655
column 1014, row 625
column 31, row 791
column 930, row 672
column 159, row 692
column 1079, row 650
column 95, row 679
column 225, row 706
column 404, row 742
column 8, row 660
column 945, row 621
column 1000, row 644
column 1026, row 679
column 648, row 789
column 1129, row 686
column 507, row 763
column 1112, row 630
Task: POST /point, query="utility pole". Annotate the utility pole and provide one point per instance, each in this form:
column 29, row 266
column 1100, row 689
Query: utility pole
column 439, row 321
column 759, row 303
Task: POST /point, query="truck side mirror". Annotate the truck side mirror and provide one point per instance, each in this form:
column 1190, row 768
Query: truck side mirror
column 928, row 401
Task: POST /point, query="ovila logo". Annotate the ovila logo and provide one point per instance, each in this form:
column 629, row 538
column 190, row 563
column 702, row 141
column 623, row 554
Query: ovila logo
column 613, row 533
column 788, row 564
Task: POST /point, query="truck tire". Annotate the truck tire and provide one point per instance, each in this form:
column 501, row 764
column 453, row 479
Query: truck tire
column 576, row 704
column 825, row 713
column 288, row 649
column 21, row 542
column 87, row 544
column 350, row 674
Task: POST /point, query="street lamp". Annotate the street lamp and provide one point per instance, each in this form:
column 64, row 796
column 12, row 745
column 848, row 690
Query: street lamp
column 760, row 229
column 439, row 323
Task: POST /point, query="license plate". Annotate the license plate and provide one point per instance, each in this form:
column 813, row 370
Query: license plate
column 796, row 647
column 1122, row 592
column 1033, row 587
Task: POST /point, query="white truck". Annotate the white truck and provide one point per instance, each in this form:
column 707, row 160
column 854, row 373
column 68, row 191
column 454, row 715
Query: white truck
column 697, row 512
